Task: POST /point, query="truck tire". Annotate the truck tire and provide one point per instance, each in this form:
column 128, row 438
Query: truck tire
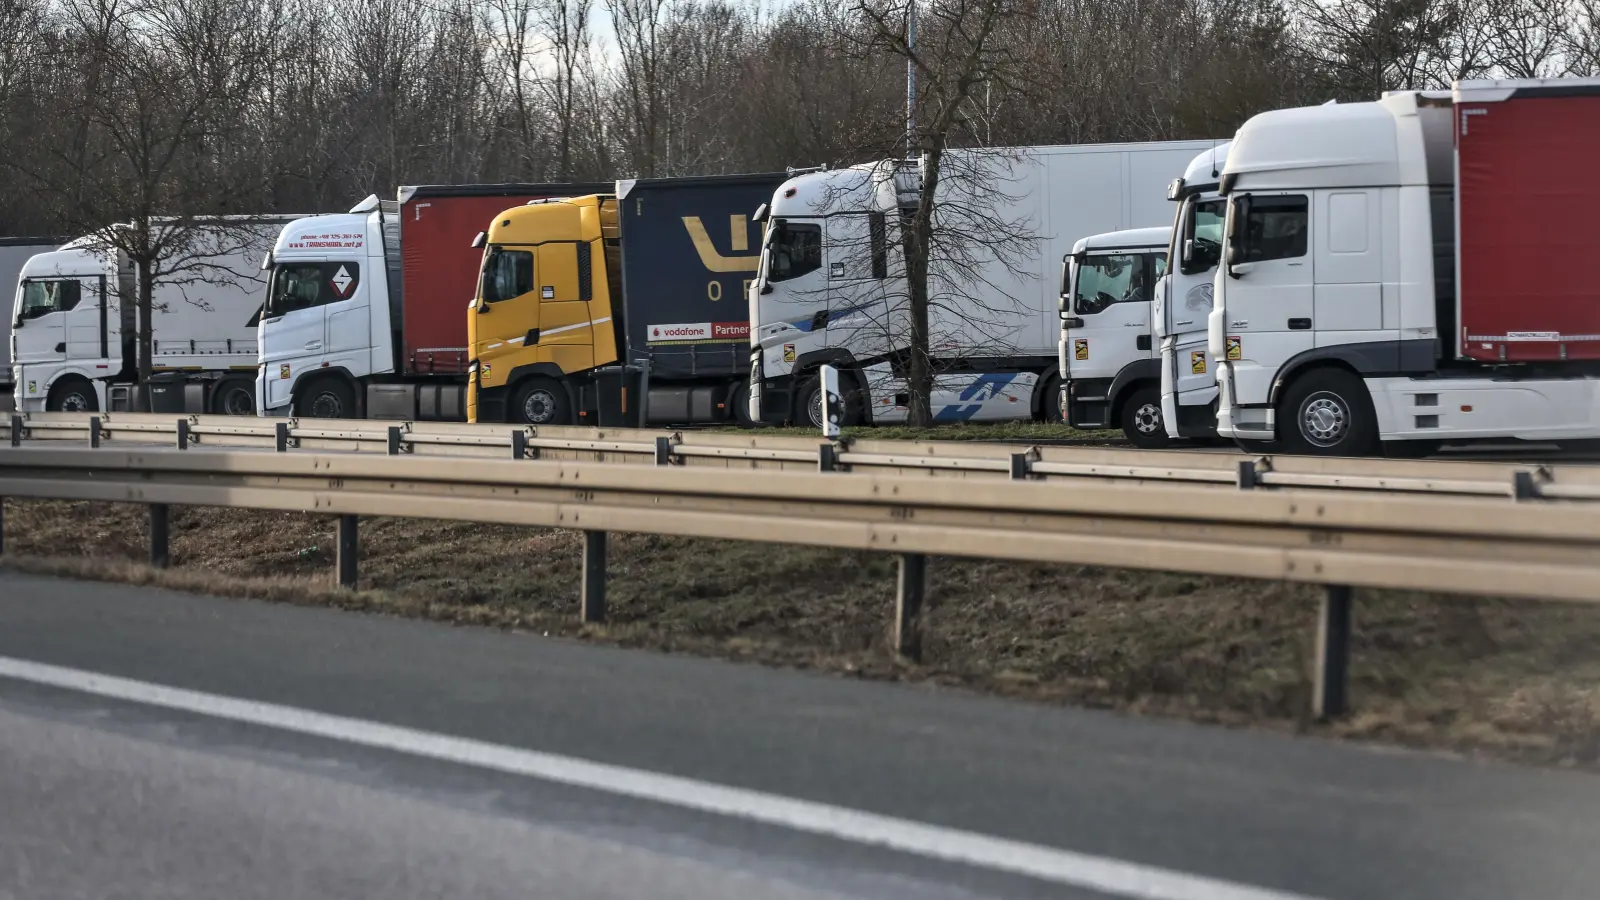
column 326, row 398
column 809, row 397
column 1141, row 419
column 739, row 404
column 1327, row 412
column 1050, row 402
column 73, row 393
column 540, row 401
column 234, row 397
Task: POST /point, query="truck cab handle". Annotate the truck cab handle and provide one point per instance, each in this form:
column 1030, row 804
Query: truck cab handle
column 1299, row 324
column 1072, row 322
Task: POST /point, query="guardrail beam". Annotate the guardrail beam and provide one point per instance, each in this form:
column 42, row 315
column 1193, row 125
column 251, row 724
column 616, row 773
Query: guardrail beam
column 159, row 534
column 1330, row 688
column 911, row 586
column 592, row 599
column 348, row 552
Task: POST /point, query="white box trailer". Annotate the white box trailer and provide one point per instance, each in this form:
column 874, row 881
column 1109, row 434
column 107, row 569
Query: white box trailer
column 76, row 324
column 832, row 288
column 14, row 252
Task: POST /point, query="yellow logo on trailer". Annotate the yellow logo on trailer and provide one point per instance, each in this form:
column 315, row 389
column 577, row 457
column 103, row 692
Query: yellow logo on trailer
column 1197, row 362
column 1235, row 351
column 1080, row 349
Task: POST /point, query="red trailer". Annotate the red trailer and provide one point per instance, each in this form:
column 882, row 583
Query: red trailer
column 1526, row 224
column 439, row 268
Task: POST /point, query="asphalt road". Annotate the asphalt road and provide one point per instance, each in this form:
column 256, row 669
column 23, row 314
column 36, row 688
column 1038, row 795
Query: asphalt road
column 109, row 795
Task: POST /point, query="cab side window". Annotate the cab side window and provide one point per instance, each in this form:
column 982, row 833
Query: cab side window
column 796, row 251
column 41, row 298
column 507, row 274
column 298, row 286
column 1113, row 278
column 1276, row 228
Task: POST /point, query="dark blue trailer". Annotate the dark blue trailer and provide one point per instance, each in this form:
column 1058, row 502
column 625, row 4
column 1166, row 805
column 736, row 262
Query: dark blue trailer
column 690, row 248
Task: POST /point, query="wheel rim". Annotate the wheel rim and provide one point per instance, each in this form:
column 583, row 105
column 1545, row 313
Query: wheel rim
column 814, row 408
column 539, row 406
column 1147, row 419
column 75, row 402
column 238, row 402
column 1324, row 419
column 327, row 405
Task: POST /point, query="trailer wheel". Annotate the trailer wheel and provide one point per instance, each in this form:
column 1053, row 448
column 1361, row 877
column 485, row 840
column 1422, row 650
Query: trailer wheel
column 1141, row 419
column 234, row 397
column 73, row 393
column 1327, row 412
column 326, row 398
column 541, row 401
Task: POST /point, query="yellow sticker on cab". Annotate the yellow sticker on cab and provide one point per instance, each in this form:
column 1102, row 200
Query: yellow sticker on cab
column 788, row 353
column 1197, row 362
column 1080, row 349
column 283, row 372
column 1235, row 351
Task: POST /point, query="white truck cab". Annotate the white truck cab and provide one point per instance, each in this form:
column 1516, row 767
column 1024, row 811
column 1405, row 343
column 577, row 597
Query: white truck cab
column 326, row 324
column 1182, row 306
column 67, row 329
column 1110, row 374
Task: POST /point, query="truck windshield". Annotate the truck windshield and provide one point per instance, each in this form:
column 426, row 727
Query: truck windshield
column 298, row 286
column 1104, row 280
column 43, row 297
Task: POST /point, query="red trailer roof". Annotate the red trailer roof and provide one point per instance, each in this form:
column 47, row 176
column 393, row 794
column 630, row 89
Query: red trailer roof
column 440, row 267
column 1526, row 208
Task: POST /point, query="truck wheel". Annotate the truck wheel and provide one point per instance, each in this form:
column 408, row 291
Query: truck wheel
column 1050, row 402
column 739, row 403
column 234, row 397
column 72, row 394
column 326, row 398
column 1327, row 412
column 1141, row 419
column 810, row 397
column 541, row 401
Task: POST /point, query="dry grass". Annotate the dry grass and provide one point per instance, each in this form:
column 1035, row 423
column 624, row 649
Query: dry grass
column 1503, row 678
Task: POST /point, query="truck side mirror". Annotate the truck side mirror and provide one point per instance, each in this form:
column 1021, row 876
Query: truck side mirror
column 1238, row 212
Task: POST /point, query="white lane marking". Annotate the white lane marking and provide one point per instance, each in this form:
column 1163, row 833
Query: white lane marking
column 1079, row 870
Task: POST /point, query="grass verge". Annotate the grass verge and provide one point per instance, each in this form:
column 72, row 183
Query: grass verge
column 1502, row 678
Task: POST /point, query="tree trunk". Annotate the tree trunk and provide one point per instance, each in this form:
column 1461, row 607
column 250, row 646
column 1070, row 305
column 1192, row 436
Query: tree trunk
column 147, row 285
column 918, row 248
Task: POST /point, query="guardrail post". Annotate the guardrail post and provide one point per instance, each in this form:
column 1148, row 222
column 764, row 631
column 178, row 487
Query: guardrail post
column 1247, row 474
column 183, row 434
column 348, row 551
column 1019, row 466
column 16, row 431
column 519, row 444
column 1523, row 486
column 280, row 436
column 394, row 440
column 1329, row 692
column 159, row 533
column 94, row 432
column 827, row 458
column 911, row 586
column 663, row 451
column 592, row 601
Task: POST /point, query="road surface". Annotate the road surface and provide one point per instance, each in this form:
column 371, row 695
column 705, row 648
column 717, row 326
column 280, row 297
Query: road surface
column 157, row 744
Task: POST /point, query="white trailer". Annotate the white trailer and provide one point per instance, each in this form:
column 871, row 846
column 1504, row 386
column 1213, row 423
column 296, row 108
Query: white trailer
column 832, row 289
column 1107, row 361
column 1408, row 271
column 14, row 252
column 76, row 324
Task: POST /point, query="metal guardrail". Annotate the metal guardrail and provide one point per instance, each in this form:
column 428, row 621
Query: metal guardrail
column 1338, row 538
column 732, row 450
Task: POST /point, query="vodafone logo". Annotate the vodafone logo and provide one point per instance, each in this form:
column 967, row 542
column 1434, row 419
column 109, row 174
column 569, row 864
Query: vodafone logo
column 699, row 331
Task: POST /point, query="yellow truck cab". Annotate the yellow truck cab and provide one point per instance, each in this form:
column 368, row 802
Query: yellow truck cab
column 544, row 321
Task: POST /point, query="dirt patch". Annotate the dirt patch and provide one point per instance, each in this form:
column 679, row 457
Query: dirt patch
column 1505, row 678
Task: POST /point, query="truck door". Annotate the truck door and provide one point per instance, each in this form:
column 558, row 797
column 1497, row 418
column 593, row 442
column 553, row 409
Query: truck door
column 1267, row 307
column 1189, row 299
column 349, row 325
column 41, row 322
column 794, row 302
column 1111, row 299
column 293, row 326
